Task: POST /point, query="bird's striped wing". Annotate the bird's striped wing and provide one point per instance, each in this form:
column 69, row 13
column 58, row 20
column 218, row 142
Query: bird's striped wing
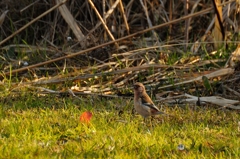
column 149, row 104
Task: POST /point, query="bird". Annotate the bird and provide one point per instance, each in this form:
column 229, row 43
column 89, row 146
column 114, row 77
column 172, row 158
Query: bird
column 143, row 104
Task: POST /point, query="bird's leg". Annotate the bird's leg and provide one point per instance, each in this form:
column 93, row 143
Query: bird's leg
column 145, row 120
column 151, row 119
column 147, row 124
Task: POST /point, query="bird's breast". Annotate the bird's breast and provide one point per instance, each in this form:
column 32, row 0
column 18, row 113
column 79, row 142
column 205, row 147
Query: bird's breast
column 140, row 109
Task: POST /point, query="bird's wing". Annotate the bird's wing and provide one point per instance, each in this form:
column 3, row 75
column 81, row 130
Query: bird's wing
column 147, row 102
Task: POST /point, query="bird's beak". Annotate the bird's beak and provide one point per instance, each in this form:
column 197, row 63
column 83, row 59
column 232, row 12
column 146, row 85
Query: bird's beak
column 134, row 87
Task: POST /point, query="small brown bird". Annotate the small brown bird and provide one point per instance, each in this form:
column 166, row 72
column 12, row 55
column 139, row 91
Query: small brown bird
column 143, row 103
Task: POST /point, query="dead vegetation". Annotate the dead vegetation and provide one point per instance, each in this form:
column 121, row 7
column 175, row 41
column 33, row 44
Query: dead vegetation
column 101, row 47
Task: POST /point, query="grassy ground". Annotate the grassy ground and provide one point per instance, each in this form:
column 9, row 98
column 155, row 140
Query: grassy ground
column 49, row 127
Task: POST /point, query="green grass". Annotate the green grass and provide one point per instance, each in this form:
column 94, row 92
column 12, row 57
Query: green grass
column 49, row 127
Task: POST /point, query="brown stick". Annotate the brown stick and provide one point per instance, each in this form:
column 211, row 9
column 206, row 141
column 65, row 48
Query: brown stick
column 117, row 72
column 101, row 19
column 105, row 44
column 31, row 22
column 124, row 16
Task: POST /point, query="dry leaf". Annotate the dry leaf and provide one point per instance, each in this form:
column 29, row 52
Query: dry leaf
column 86, row 117
column 2, row 17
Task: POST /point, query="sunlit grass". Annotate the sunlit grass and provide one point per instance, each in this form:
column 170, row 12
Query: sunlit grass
column 49, row 127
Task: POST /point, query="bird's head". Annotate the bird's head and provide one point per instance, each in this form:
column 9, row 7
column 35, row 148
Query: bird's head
column 139, row 87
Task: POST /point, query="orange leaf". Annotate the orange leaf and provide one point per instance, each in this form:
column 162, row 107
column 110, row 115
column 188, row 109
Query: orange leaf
column 86, row 117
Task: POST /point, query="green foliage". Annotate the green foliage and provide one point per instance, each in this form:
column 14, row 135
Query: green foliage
column 49, row 127
column 173, row 57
